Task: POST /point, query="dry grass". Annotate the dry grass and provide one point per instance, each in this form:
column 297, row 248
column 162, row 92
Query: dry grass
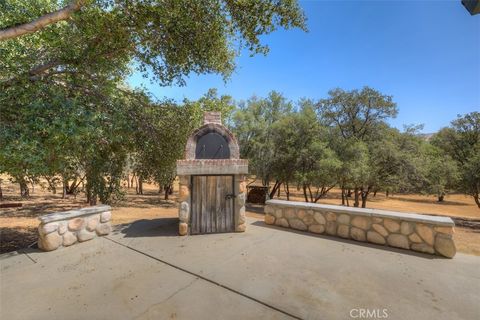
column 18, row 225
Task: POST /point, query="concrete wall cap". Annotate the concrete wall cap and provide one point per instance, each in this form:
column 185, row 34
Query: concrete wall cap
column 66, row 215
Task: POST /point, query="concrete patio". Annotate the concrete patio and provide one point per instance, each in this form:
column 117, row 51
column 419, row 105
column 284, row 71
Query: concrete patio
column 145, row 271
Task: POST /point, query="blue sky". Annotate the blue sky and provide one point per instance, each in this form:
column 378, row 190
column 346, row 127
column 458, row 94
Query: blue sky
column 424, row 53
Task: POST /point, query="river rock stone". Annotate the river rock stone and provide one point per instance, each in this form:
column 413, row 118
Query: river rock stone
column 62, row 228
column 241, row 215
column 282, row 222
column 85, row 235
column 406, row 228
column 289, row 213
column 391, row 225
column 92, row 223
column 278, row 213
column 317, row 228
column 445, row 230
column 241, row 199
column 319, row 218
column 425, row 232
column 47, row 228
column 377, row 220
column 75, row 224
column 105, row 216
column 308, row 219
column 297, row 224
column 269, row 209
column 242, row 187
column 343, row 231
column 415, row 238
column 398, row 241
column 241, row 227
column 69, row 238
column 343, row 219
column 445, row 246
column 375, row 237
column 301, row 213
column 184, row 180
column 183, row 193
column 103, row 228
column 361, row 222
column 269, row 219
column 357, row 234
column 184, row 211
column 51, row 241
column 331, row 216
column 380, row 229
column 182, row 228
column 422, row 247
column 331, row 228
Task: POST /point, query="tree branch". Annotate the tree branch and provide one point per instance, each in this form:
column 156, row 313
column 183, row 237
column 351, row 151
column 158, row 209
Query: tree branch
column 45, row 20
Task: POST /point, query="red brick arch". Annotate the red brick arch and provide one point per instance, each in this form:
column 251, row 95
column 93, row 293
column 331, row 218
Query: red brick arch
column 207, row 128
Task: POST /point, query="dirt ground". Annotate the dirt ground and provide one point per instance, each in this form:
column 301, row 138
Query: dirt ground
column 18, row 225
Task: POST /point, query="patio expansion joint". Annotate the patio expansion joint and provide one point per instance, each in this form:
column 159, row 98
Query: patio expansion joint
column 198, row 276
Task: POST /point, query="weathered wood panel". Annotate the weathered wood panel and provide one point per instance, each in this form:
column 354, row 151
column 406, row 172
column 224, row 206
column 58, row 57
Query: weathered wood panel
column 212, row 209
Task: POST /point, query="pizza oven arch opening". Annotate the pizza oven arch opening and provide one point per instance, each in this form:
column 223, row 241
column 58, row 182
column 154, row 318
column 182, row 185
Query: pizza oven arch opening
column 212, row 145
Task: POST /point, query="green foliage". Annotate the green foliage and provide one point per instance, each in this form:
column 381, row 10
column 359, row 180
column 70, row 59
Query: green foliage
column 66, row 114
column 253, row 125
column 169, row 38
column 461, row 141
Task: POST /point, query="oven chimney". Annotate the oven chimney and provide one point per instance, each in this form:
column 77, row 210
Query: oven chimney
column 212, row 117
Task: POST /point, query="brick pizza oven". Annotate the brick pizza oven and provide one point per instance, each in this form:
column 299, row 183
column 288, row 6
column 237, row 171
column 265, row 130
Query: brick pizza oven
column 212, row 181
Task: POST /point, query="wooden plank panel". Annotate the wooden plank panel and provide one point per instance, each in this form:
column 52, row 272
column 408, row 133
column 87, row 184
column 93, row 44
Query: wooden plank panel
column 203, row 212
column 194, row 207
column 229, row 204
column 211, row 211
column 218, row 203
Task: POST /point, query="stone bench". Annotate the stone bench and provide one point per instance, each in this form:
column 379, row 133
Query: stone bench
column 69, row 227
column 422, row 233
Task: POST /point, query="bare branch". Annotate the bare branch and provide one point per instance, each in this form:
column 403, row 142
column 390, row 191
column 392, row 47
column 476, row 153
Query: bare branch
column 45, row 20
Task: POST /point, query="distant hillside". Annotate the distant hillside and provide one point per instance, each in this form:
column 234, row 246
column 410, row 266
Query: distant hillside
column 426, row 136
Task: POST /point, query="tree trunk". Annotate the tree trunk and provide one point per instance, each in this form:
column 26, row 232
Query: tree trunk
column 310, row 193
column 356, row 192
column 476, row 197
column 64, row 189
column 441, row 197
column 343, row 196
column 387, row 193
column 349, row 193
column 305, row 192
column 1, row 192
column 287, row 191
column 168, row 191
column 24, row 191
column 276, row 186
column 139, row 188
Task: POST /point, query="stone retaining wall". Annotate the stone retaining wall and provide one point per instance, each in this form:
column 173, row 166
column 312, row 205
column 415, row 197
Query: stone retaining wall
column 69, row 227
column 422, row 233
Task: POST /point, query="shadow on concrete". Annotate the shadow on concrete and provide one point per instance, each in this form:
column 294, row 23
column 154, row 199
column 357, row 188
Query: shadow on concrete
column 162, row 227
column 351, row 242
column 257, row 208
